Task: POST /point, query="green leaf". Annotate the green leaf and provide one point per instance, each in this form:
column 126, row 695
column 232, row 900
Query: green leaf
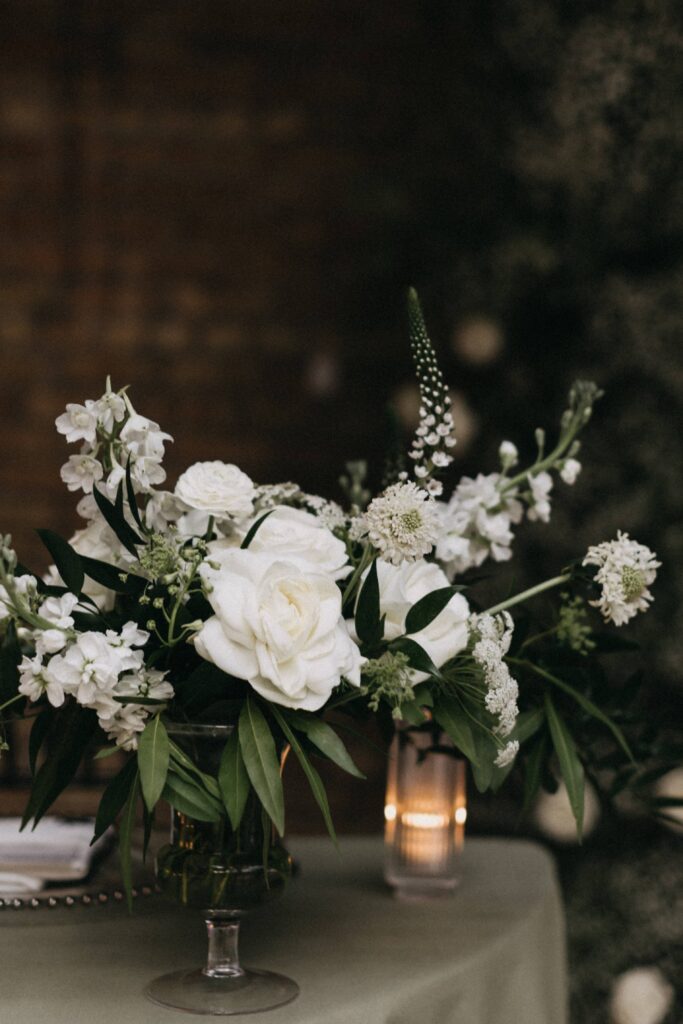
column 570, row 765
column 106, row 752
column 416, row 655
column 261, row 762
column 592, row 709
column 115, row 795
column 186, row 768
column 412, row 713
column 130, row 494
column 67, row 560
column 115, row 518
column 189, row 797
column 254, row 528
column 39, row 731
column 109, row 576
column 369, row 626
column 311, row 774
column 428, row 607
column 323, row 736
column 450, row 715
column 126, row 840
column 423, row 695
column 533, row 771
column 233, row 780
column 76, row 728
column 153, row 758
column 528, row 723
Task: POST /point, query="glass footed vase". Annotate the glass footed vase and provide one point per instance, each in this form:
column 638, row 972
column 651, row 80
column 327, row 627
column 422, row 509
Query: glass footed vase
column 224, row 874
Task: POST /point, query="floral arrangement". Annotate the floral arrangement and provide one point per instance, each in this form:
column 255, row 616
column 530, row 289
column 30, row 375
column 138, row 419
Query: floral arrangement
column 266, row 607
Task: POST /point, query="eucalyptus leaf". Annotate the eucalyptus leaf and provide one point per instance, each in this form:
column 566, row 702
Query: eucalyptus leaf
column 570, row 765
column 153, row 760
column 323, row 736
column 260, row 759
column 233, row 780
column 67, row 560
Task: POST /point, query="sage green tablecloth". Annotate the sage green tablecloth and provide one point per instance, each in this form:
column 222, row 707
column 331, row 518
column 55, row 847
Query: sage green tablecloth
column 493, row 953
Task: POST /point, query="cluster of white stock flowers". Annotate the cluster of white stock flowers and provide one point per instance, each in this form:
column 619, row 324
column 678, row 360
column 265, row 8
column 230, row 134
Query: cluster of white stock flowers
column 626, row 569
column 400, row 587
column 403, row 523
column 494, row 635
column 113, row 436
column 94, row 668
column 476, row 524
column 277, row 619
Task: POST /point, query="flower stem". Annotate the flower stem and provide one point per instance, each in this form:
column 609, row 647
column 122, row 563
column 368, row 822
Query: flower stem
column 556, row 581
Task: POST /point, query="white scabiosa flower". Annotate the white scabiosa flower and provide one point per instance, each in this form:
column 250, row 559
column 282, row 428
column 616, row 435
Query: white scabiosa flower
column 493, row 635
column 570, row 471
column 626, row 569
column 402, row 523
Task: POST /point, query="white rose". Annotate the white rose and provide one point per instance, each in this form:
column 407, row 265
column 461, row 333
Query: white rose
column 280, row 627
column 400, row 587
column 217, row 488
column 300, row 537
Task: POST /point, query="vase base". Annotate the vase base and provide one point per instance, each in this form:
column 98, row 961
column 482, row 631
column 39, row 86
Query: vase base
column 196, row 992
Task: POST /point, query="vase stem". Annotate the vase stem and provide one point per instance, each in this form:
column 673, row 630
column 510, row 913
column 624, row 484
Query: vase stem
column 223, row 958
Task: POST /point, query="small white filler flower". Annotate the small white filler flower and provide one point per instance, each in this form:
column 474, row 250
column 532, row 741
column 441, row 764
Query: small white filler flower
column 402, row 523
column 625, row 571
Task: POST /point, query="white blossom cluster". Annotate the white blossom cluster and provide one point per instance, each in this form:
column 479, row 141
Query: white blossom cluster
column 113, row 436
column 476, row 524
column 626, row 569
column 330, row 513
column 403, row 523
column 493, row 635
column 94, row 668
column 434, row 437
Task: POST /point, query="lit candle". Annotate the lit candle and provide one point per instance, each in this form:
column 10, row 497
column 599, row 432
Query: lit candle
column 425, row 812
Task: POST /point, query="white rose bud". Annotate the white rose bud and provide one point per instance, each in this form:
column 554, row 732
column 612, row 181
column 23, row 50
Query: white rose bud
column 570, row 471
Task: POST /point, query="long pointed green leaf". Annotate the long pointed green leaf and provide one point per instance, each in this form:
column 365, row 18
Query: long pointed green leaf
column 368, row 623
column 126, row 840
column 233, row 780
column 416, row 655
column 570, row 766
column 77, row 725
column 253, row 530
column 189, row 797
column 114, row 797
column 153, row 758
column 588, row 706
column 68, row 562
column 428, row 607
column 114, row 517
column 311, row 774
column 450, row 716
column 533, row 771
column 323, row 736
column 260, row 759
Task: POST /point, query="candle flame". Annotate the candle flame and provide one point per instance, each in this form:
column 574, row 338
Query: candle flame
column 390, row 812
column 460, row 815
column 417, row 819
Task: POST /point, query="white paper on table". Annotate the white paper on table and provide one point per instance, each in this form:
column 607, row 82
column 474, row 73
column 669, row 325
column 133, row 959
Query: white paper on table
column 57, row 850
